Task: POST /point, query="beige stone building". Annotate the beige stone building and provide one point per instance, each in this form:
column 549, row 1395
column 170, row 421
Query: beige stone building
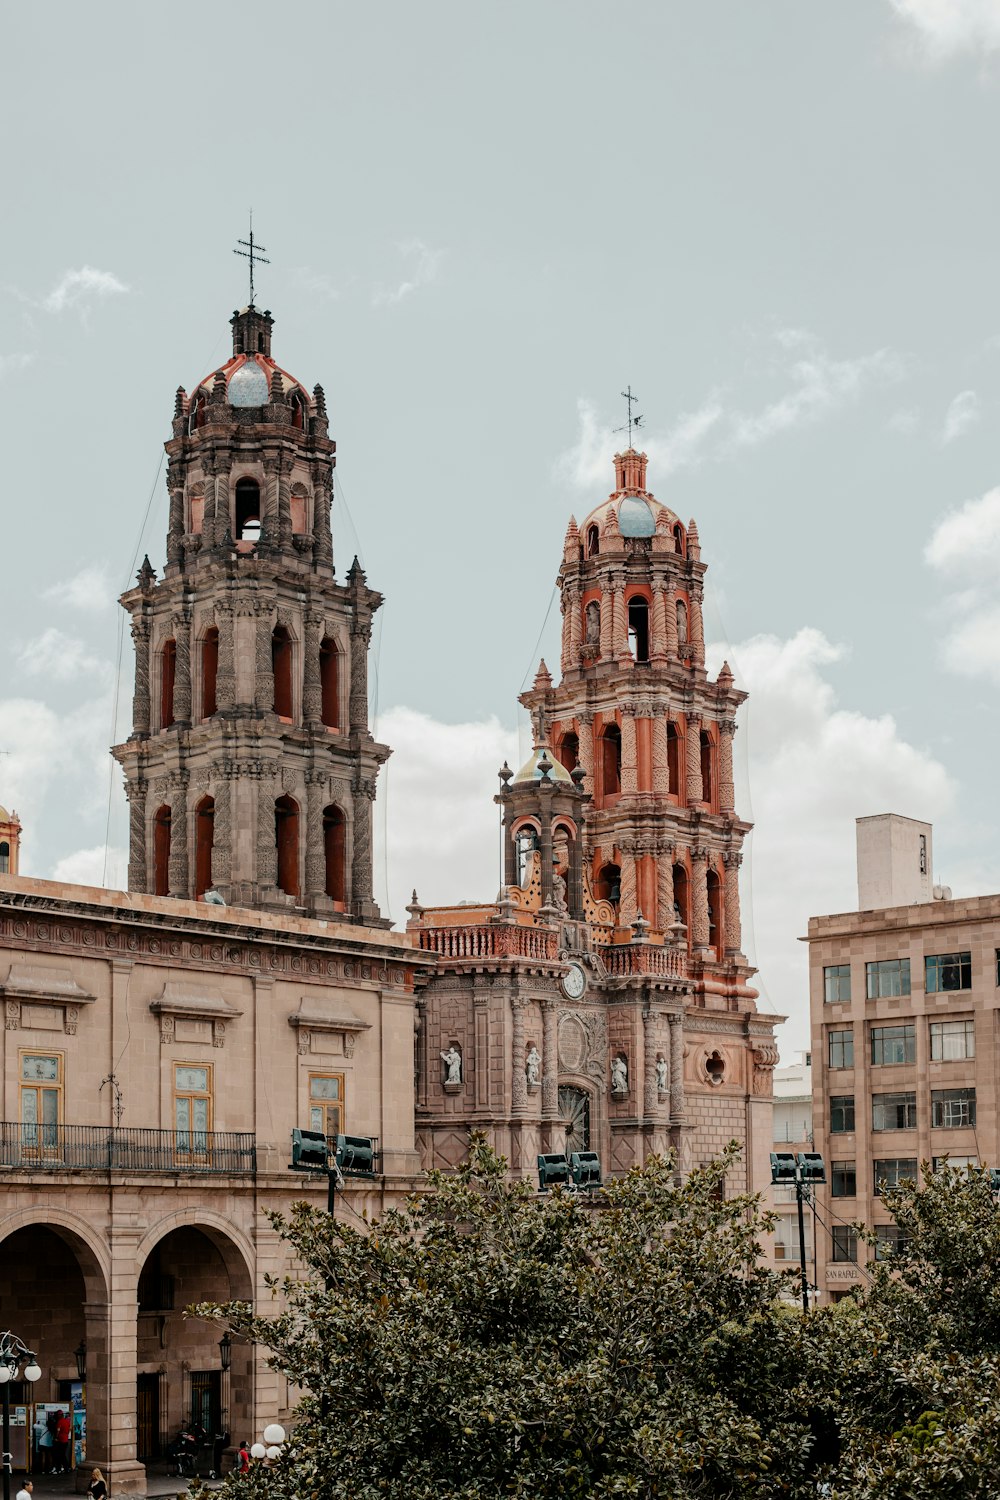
column 793, row 1131
column 905, row 1006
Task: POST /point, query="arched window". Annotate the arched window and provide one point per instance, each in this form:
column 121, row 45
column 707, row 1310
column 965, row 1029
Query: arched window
column 298, row 412
column 286, row 837
column 568, row 751
column 247, row 510
column 526, row 844
column 161, row 851
column 204, row 838
column 682, row 623
column 679, row 539
column 334, row 850
column 297, row 509
column 281, row 666
column 209, row 671
column 197, row 514
column 611, row 760
column 168, row 668
column 593, row 541
column 682, row 911
column 673, row 760
column 198, row 413
column 715, row 913
column 707, row 767
column 608, row 886
column 4, row 858
column 638, row 628
column 329, row 679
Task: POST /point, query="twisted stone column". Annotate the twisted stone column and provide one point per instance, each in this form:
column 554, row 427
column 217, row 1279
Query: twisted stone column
column 182, row 667
column 665, row 887
column 660, row 757
column 175, row 532
column 620, row 625
column 648, row 1063
column 696, row 624
column 222, row 830
column 607, row 621
column 659, row 649
column 267, row 844
column 316, row 784
column 727, row 789
column 627, row 906
column 263, row 692
column 550, row 1060
column 585, row 735
column 322, row 500
column 225, row 675
column 222, row 521
column 361, row 634
column 140, row 695
column 361, row 862
column 699, row 898
column 270, row 520
column 312, row 690
column 575, row 628
column 695, row 792
column 135, row 791
column 734, row 929
column 518, row 1077
column 178, row 862
column 670, row 606
column 284, row 506
column 676, row 1027
column 209, row 534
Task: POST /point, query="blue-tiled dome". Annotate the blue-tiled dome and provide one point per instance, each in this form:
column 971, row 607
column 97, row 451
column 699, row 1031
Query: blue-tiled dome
column 635, row 517
column 248, row 386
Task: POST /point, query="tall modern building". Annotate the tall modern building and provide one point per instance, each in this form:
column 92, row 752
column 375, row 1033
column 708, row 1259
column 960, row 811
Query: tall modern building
column 603, row 1000
column 905, row 1011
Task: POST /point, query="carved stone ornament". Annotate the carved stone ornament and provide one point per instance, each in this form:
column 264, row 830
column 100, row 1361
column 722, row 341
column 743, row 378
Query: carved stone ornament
column 314, row 1018
column 193, row 1002
column 765, row 1057
column 38, row 984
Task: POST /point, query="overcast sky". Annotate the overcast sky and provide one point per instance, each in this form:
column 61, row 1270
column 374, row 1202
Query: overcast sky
column 780, row 222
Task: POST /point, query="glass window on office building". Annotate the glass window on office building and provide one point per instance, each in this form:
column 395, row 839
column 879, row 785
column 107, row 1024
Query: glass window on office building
column 842, row 1049
column 837, row 983
column 845, row 1242
column 890, row 976
column 890, row 1241
column 841, row 1113
column 947, row 971
column 952, row 1040
column 843, row 1179
column 953, row 1109
column 894, row 1111
column 889, row 1172
column 892, row 1045
column 958, row 1163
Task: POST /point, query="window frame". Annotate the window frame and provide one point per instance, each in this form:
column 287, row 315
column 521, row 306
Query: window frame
column 893, row 1178
column 841, row 971
column 886, row 1236
column 909, row 1096
column 896, row 971
column 942, row 1098
column 844, row 1243
column 841, row 1038
column 192, row 1146
column 338, row 1106
column 940, row 1029
column 845, row 1102
column 843, row 1179
column 879, row 1038
column 40, row 1136
column 941, row 961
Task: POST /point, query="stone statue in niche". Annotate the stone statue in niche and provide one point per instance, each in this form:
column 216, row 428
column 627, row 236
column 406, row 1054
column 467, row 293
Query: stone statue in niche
column 593, row 624
column 452, row 1060
column 533, row 1067
column 662, row 1075
column 619, row 1074
column 559, row 892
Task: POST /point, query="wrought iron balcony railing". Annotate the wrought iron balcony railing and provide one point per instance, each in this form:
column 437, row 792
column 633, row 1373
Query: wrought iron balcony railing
column 100, row 1148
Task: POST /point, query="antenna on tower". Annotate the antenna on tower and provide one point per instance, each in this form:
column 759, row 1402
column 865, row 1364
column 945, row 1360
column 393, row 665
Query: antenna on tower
column 631, row 421
column 253, row 254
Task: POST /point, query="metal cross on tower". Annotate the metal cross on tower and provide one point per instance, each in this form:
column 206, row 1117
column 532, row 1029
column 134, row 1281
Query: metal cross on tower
column 253, row 254
column 635, row 421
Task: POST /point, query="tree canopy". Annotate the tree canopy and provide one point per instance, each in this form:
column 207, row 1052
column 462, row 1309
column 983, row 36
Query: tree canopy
column 489, row 1341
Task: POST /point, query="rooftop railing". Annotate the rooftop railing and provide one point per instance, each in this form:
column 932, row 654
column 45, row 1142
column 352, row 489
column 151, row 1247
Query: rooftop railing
column 488, row 940
column 100, row 1148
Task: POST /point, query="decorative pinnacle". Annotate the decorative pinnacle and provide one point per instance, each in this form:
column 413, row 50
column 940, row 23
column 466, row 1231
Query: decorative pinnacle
column 631, row 421
column 252, row 253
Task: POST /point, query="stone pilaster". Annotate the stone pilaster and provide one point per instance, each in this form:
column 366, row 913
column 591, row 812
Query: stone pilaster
column 660, row 757
column 630, row 757
column 135, row 791
column 316, row 784
column 182, row 672
column 361, row 634
column 670, row 606
column 727, row 789
column 361, row 861
column 585, row 735
column 734, row 928
column 263, row 693
column 676, row 1027
column 140, row 695
column 266, row 845
column 312, row 692
column 322, row 500
column 627, row 906
column 665, row 887
column 550, row 1059
column 699, row 898
column 692, row 760
column 697, row 624
column 518, row 1077
column 222, row 833
column 225, row 677
column 648, row 1063
column 178, row 864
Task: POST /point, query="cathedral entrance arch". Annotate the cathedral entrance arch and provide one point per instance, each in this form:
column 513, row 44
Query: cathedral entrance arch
column 574, row 1111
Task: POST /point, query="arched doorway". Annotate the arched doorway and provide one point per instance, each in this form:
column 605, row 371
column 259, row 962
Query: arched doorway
column 286, row 836
column 204, row 838
column 334, row 855
column 179, row 1376
column 574, row 1111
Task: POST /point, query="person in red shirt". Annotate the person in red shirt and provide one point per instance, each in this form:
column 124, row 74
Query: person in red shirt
column 64, row 1433
column 243, row 1458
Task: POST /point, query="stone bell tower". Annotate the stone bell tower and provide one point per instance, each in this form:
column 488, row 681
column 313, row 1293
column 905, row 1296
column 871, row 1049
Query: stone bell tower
column 251, row 770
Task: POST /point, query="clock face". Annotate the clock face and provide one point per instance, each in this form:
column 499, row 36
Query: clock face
column 574, row 982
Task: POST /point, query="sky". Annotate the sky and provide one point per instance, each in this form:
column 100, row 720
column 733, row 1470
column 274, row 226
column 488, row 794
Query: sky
column 778, row 223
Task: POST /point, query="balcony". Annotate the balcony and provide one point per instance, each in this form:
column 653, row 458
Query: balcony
column 624, row 959
column 485, row 941
column 100, row 1148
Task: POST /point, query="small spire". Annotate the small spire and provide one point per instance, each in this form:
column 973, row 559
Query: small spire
column 277, row 387
column 725, row 677
column 544, row 765
column 146, row 575
column 543, row 678
column 319, row 396
column 357, row 575
column 693, row 546
column 218, row 386
column 179, row 400
column 505, row 773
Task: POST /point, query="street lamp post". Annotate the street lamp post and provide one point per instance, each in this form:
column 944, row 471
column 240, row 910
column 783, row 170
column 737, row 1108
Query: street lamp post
column 799, row 1170
column 274, row 1435
column 13, row 1354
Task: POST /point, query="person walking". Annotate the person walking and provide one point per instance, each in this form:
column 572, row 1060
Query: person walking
column 243, row 1457
column 24, row 1493
column 97, row 1489
column 43, row 1443
column 64, row 1434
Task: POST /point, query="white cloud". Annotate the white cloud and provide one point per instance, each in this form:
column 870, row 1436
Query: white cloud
column 59, row 657
column 814, row 767
column 317, row 283
column 88, row 589
column 817, row 386
column 424, row 264
column 905, row 421
column 11, row 363
column 963, row 413
column 965, row 549
column 946, row 28
column 97, row 866
column 80, row 289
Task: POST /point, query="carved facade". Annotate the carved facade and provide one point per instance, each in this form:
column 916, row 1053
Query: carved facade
column 612, row 959
column 251, row 770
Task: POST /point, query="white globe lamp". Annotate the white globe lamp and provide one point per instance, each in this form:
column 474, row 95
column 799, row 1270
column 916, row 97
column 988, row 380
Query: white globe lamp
column 273, row 1452
column 258, row 1451
column 274, row 1433
column 4, row 1374
column 32, row 1371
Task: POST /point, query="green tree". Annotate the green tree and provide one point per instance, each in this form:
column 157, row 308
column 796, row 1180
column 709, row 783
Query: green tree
column 488, row 1341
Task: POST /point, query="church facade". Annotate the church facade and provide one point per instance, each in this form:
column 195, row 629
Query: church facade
column 161, row 1044
column 603, row 1003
